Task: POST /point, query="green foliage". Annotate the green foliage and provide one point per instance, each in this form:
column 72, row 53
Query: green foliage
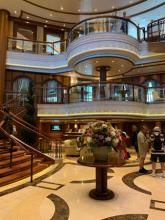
column 27, row 135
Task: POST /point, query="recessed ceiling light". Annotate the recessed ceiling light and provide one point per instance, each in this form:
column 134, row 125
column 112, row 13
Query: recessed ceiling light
column 27, row 17
column 45, row 25
column 15, row 12
column 64, row 25
column 118, row 70
column 97, row 61
column 113, row 6
column 78, row 10
column 95, row 9
column 62, row 8
column 46, row 21
column 51, row 14
column 113, row 61
column 27, row 22
column 62, row 29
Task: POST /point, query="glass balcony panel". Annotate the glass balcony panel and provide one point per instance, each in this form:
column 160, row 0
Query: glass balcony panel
column 132, row 30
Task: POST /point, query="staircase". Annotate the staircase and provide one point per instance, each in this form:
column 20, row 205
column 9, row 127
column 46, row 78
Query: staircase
column 21, row 165
column 26, row 160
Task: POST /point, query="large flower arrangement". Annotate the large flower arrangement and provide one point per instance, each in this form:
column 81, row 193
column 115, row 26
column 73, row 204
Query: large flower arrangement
column 100, row 134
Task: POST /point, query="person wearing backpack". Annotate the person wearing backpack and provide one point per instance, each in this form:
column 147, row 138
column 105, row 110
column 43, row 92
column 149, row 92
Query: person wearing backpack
column 158, row 150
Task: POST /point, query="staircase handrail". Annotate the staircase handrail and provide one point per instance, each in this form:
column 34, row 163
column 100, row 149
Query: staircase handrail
column 27, row 148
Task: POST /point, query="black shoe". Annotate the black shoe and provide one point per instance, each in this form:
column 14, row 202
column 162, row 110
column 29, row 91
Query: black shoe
column 143, row 171
column 146, row 171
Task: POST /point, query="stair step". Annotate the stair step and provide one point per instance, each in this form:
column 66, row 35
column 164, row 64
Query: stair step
column 16, row 160
column 17, row 168
column 21, row 175
column 4, row 150
column 17, row 153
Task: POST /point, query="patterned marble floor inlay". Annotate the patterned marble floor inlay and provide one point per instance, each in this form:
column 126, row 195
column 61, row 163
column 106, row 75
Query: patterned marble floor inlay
column 87, row 181
column 158, row 205
column 128, row 217
column 49, row 185
column 61, row 208
column 129, row 178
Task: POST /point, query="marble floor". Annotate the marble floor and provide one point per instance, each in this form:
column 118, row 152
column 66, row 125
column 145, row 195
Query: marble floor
column 62, row 194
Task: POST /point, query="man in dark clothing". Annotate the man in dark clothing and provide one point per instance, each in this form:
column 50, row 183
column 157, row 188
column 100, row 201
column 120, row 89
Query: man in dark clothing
column 157, row 152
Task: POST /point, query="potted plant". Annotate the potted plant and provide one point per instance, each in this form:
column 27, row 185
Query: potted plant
column 101, row 137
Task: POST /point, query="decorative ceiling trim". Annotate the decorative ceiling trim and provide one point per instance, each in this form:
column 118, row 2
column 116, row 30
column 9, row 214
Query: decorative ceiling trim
column 86, row 13
column 147, row 10
column 43, row 18
column 139, row 66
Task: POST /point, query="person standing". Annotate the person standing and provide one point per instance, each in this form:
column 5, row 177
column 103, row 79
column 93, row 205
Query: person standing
column 142, row 147
column 158, row 150
column 134, row 140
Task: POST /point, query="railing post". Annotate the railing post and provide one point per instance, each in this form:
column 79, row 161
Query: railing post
column 31, row 169
column 11, row 154
column 22, row 45
column 159, row 29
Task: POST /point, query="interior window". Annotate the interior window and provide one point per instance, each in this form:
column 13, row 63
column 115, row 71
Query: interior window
column 53, row 48
column 152, row 92
column 28, row 35
column 52, row 91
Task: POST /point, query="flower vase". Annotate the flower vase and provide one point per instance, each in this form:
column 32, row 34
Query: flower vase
column 100, row 153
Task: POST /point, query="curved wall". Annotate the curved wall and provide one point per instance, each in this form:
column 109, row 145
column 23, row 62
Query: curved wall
column 102, row 44
column 117, row 109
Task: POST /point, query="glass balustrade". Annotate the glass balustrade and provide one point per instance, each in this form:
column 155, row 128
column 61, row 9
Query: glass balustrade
column 108, row 24
column 94, row 92
column 106, row 91
column 37, row 47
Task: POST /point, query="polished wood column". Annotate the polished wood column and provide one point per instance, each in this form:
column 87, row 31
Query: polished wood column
column 4, row 22
column 101, row 192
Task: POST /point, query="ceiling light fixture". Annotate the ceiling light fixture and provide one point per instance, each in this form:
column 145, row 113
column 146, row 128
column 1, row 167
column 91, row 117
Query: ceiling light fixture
column 15, row 12
column 51, row 14
column 27, row 17
column 27, row 22
column 95, row 9
column 46, row 21
column 62, row 8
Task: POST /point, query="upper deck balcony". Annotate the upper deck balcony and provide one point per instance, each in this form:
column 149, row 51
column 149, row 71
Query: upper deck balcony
column 107, row 36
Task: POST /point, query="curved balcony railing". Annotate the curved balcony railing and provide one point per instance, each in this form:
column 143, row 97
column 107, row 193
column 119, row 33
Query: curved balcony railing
column 37, row 47
column 106, row 24
column 156, row 30
column 106, row 91
column 88, row 93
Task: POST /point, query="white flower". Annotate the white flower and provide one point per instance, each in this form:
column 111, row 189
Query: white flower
column 113, row 133
column 115, row 141
column 89, row 139
column 104, row 126
column 108, row 139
